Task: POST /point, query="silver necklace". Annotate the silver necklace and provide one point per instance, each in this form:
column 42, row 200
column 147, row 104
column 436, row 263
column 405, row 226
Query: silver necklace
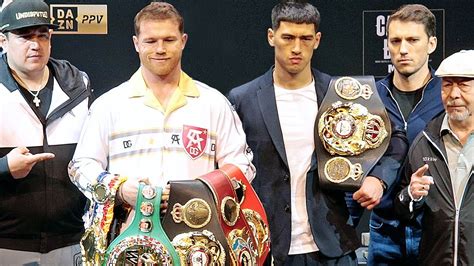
column 36, row 100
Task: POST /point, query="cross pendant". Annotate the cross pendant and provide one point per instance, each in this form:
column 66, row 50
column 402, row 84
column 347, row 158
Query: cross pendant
column 36, row 101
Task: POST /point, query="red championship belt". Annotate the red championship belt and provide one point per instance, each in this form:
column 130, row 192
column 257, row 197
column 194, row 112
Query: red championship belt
column 239, row 234
column 252, row 208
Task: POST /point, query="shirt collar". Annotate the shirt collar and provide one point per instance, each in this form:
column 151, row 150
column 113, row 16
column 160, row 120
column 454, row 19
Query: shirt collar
column 186, row 85
column 445, row 127
column 186, row 88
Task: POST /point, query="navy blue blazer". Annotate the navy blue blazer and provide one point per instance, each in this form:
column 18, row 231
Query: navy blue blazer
column 327, row 211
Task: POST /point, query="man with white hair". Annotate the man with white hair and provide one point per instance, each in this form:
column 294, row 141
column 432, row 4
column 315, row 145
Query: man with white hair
column 439, row 171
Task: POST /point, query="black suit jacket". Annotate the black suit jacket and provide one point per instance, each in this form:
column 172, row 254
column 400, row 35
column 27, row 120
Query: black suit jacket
column 328, row 215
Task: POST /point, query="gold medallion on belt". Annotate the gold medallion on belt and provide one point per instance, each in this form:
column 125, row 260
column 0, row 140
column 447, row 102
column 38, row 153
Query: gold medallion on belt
column 199, row 248
column 349, row 129
column 196, row 213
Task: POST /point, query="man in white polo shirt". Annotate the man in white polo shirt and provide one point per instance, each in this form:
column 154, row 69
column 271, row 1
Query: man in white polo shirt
column 161, row 124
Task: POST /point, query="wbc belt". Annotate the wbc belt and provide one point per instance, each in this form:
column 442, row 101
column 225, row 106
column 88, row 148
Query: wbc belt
column 144, row 242
column 192, row 222
column 352, row 132
column 252, row 208
column 240, row 238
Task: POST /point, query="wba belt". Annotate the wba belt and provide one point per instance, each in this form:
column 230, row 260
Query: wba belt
column 239, row 236
column 192, row 222
column 352, row 132
column 144, row 242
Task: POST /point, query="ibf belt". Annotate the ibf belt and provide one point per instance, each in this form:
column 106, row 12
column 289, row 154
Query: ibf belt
column 192, row 222
column 252, row 209
column 240, row 238
column 144, row 242
column 352, row 132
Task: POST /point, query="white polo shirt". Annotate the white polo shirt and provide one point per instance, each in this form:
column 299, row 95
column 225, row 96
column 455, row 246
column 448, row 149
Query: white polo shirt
column 129, row 133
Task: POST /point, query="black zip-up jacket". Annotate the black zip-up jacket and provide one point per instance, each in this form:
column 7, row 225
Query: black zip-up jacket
column 42, row 211
column 447, row 229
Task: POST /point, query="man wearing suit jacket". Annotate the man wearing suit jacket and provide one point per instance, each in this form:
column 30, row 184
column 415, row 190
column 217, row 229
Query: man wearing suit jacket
column 308, row 225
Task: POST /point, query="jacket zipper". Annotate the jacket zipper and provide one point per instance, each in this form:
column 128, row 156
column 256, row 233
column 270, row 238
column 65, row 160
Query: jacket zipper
column 456, row 226
column 456, row 207
column 67, row 104
column 405, row 124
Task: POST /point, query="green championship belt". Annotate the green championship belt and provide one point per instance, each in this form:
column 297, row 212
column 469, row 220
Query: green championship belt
column 352, row 132
column 144, row 242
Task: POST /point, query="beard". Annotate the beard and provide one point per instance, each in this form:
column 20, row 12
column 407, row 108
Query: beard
column 459, row 116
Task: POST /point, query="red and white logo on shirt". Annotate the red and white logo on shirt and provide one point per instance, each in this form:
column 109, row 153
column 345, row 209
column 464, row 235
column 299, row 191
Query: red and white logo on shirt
column 194, row 140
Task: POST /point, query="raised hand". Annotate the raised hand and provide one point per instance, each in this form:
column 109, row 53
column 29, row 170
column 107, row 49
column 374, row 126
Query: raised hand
column 21, row 161
column 420, row 183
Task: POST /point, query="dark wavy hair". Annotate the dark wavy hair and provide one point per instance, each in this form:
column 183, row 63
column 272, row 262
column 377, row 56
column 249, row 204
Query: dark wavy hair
column 295, row 12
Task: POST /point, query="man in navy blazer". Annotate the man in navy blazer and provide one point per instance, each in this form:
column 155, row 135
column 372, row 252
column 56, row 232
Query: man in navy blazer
column 308, row 225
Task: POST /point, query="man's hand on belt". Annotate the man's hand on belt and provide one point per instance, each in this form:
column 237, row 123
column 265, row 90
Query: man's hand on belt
column 127, row 192
column 164, row 199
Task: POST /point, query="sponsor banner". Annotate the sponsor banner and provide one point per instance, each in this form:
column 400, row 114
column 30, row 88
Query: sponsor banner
column 375, row 53
column 79, row 19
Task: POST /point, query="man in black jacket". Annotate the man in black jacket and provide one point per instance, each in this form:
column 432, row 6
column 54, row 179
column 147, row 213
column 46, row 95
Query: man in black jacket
column 439, row 177
column 43, row 104
column 308, row 225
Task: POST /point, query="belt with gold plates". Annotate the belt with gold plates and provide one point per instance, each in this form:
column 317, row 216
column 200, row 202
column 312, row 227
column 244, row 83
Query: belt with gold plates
column 191, row 222
column 252, row 208
column 144, row 242
column 98, row 219
column 352, row 132
column 240, row 236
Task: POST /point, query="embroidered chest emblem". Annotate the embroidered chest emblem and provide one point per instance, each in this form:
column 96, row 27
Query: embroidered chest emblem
column 194, row 140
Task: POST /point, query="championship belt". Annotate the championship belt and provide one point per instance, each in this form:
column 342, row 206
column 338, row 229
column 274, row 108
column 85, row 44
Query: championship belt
column 240, row 238
column 144, row 242
column 99, row 217
column 252, row 208
column 192, row 222
column 352, row 132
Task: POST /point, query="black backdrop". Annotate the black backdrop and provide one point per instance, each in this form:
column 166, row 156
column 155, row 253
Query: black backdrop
column 227, row 43
column 227, row 39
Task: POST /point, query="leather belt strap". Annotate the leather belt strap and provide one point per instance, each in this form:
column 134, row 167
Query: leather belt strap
column 144, row 241
column 253, row 209
column 244, row 249
column 352, row 132
column 191, row 211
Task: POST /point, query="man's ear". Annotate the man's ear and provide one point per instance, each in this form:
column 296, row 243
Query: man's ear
column 317, row 40
column 50, row 37
column 432, row 43
column 270, row 37
column 135, row 42
column 3, row 39
column 184, row 39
